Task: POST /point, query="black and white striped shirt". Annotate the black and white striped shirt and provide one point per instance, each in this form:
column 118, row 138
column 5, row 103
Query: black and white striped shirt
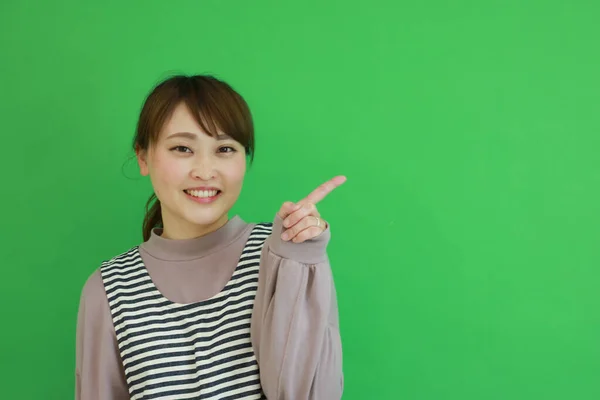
column 186, row 351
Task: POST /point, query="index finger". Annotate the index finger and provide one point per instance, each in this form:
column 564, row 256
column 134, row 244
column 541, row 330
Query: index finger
column 323, row 190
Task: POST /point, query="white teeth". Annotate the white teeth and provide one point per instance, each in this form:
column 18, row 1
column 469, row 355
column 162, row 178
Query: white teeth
column 202, row 193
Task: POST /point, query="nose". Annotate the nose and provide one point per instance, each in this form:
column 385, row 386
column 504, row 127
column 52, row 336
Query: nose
column 203, row 169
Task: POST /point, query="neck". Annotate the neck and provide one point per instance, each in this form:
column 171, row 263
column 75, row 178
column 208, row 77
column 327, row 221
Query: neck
column 184, row 231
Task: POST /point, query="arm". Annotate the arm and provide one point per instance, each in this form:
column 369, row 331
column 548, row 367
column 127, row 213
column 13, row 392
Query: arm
column 295, row 329
column 99, row 372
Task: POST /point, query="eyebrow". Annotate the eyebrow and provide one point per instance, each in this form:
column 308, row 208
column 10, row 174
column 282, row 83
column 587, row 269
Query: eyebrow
column 193, row 136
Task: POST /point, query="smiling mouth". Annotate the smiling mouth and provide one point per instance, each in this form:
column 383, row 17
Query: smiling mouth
column 203, row 194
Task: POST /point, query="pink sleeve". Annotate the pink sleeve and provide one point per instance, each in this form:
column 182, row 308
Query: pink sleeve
column 295, row 328
column 99, row 373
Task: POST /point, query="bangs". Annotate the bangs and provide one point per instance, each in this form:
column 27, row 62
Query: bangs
column 216, row 107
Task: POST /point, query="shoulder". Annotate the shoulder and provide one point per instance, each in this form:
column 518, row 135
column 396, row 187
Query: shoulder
column 93, row 292
column 127, row 259
column 93, row 302
column 122, row 257
column 93, row 287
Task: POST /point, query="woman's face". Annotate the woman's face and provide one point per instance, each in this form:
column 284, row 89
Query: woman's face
column 196, row 177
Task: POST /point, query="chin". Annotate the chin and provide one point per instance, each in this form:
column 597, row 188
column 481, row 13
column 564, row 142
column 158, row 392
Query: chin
column 207, row 218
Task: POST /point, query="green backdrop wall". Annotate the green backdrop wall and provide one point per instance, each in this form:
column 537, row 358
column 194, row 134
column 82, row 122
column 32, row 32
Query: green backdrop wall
column 465, row 242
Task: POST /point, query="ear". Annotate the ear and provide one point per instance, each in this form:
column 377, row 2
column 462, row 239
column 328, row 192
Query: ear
column 141, row 156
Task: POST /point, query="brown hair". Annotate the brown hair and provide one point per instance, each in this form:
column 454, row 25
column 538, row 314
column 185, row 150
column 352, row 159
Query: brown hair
column 215, row 106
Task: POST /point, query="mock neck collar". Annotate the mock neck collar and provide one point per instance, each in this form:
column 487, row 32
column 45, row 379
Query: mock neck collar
column 189, row 249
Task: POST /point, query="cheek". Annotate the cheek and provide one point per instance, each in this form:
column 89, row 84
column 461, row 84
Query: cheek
column 165, row 172
column 236, row 171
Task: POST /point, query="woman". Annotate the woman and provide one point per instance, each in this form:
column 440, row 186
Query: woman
column 207, row 306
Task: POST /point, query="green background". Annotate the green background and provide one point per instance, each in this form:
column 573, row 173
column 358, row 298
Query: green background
column 465, row 242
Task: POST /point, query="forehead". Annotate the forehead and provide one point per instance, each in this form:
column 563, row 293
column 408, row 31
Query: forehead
column 181, row 120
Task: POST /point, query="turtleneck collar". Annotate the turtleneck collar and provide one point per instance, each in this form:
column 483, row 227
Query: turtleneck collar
column 189, row 249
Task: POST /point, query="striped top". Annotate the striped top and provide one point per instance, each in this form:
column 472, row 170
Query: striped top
column 183, row 351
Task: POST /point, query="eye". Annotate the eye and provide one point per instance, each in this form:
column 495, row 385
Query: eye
column 182, row 149
column 227, row 149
